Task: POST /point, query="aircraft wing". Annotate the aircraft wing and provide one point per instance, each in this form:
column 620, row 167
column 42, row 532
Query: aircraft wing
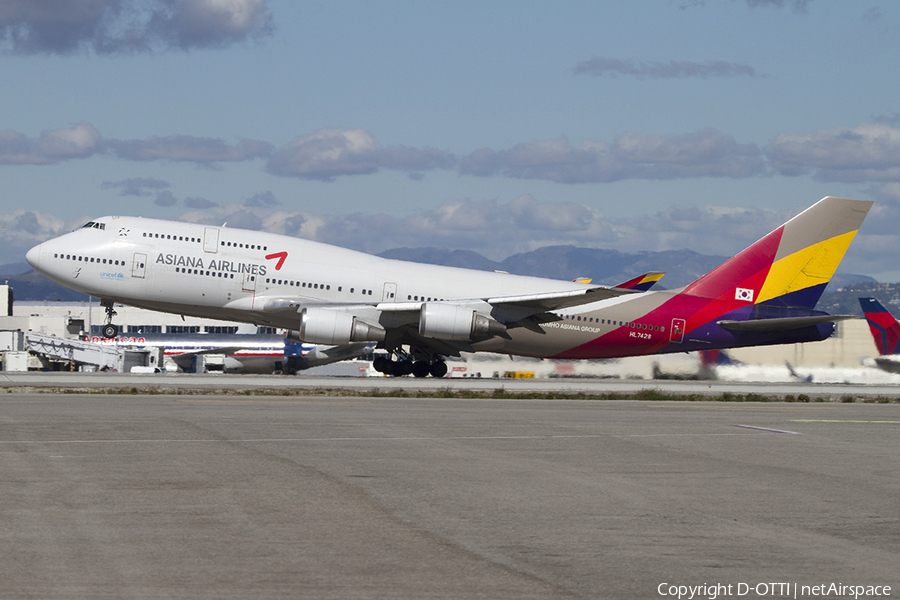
column 528, row 311
column 399, row 322
column 558, row 300
column 642, row 283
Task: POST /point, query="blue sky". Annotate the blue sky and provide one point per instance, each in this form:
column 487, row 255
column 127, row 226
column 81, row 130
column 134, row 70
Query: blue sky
column 492, row 126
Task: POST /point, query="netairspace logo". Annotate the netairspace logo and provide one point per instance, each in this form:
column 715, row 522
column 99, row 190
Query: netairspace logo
column 772, row 590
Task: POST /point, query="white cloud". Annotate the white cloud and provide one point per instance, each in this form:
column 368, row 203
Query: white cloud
column 707, row 153
column 51, row 147
column 331, row 153
column 212, row 23
column 865, row 153
column 128, row 26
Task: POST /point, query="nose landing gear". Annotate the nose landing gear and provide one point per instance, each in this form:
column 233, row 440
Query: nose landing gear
column 110, row 330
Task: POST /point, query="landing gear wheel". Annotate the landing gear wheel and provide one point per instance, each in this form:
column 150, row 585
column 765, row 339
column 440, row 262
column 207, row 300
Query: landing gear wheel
column 380, row 363
column 438, row 369
column 109, row 330
column 421, row 369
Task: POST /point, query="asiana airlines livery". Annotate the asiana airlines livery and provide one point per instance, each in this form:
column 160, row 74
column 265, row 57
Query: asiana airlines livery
column 423, row 313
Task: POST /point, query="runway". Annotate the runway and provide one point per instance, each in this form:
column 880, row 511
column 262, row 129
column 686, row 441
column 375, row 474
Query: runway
column 151, row 496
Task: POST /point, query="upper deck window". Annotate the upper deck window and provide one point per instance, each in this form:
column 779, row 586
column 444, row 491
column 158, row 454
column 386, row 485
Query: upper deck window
column 93, row 225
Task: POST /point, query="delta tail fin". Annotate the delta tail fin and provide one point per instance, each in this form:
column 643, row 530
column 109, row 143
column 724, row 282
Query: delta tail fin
column 884, row 327
column 790, row 267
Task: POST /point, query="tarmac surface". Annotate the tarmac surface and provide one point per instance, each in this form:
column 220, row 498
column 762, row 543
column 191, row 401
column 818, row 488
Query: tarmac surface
column 168, row 496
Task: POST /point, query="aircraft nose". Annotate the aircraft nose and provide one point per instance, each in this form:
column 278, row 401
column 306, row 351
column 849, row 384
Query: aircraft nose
column 33, row 256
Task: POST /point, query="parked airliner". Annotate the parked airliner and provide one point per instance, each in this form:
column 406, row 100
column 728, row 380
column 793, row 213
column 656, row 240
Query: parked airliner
column 422, row 313
column 243, row 352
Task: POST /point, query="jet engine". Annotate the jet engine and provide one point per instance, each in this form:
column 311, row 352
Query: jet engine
column 324, row 326
column 453, row 322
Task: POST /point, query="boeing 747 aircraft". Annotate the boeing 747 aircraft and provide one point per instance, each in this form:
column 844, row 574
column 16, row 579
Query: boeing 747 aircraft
column 423, row 313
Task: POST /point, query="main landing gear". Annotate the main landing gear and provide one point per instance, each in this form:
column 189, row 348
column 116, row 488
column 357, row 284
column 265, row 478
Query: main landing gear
column 109, row 330
column 406, row 365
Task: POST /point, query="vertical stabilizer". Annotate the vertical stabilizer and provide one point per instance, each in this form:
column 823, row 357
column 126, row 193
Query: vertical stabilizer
column 791, row 266
column 882, row 324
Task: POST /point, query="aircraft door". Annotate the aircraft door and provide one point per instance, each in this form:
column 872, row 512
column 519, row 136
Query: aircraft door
column 249, row 283
column 390, row 292
column 210, row 239
column 139, row 265
column 676, row 335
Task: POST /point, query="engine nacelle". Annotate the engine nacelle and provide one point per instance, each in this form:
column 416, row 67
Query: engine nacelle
column 453, row 322
column 324, row 326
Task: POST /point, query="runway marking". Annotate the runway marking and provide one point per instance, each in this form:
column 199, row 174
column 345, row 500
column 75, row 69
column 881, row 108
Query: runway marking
column 838, row 421
column 770, row 430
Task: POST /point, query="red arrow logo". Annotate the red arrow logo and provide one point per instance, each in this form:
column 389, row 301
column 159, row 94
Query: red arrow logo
column 281, row 256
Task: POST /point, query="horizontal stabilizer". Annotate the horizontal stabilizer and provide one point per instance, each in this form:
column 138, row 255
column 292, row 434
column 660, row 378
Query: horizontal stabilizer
column 781, row 324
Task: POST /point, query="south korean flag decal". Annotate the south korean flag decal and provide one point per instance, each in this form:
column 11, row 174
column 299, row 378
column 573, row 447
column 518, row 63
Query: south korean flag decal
column 743, row 294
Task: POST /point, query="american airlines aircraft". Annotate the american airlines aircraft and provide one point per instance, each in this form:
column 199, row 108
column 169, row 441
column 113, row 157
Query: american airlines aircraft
column 244, row 352
column 422, row 313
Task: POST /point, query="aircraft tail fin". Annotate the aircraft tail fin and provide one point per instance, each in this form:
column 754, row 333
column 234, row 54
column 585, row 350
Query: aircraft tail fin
column 884, row 327
column 790, row 266
column 641, row 283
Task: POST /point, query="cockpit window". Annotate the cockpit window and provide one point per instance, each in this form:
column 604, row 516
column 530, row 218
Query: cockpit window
column 93, row 225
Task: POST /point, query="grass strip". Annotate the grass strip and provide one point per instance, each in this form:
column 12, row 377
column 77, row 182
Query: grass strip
column 646, row 394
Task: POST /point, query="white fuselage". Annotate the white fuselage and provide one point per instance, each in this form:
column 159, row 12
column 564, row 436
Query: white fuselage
column 236, row 274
